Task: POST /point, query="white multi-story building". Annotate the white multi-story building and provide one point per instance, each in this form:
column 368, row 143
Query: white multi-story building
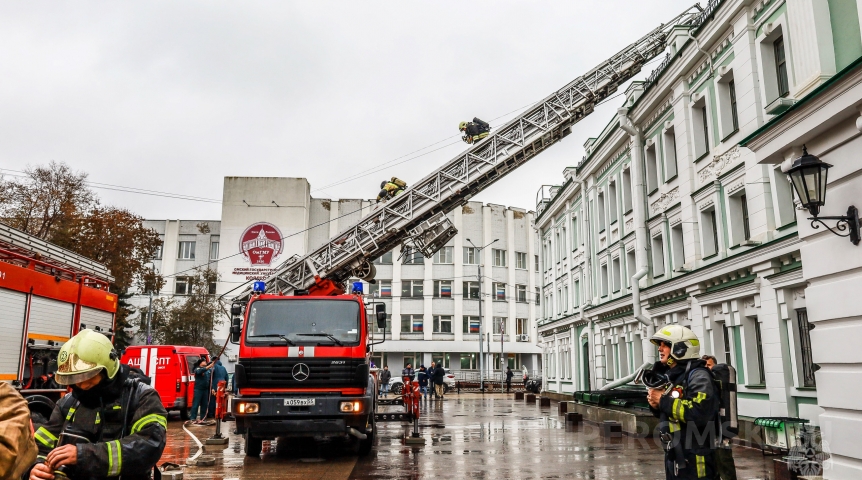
column 433, row 303
column 680, row 213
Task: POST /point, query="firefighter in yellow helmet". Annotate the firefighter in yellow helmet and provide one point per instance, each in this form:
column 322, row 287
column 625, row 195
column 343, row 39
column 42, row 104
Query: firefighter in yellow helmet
column 112, row 424
column 686, row 403
column 474, row 131
column 390, row 189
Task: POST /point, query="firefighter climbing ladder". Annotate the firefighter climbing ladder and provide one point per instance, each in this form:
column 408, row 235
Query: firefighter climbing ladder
column 417, row 217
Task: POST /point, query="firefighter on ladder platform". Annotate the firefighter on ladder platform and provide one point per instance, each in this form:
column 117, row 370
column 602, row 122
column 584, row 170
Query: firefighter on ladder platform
column 111, row 424
column 390, row 188
column 474, row 131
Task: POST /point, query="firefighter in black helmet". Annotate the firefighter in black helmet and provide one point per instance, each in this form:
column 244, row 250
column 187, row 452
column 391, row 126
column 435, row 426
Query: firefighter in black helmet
column 111, row 425
column 474, row 131
column 687, row 405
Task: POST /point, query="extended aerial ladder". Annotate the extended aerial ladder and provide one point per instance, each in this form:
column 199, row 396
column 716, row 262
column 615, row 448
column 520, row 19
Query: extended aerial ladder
column 417, row 217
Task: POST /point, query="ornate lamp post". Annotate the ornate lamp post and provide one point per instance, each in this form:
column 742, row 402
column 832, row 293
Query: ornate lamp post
column 808, row 176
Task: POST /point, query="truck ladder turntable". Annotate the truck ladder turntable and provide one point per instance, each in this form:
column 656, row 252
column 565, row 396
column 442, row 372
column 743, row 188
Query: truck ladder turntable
column 417, row 217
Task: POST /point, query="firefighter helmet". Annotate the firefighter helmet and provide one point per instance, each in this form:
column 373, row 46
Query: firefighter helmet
column 684, row 344
column 462, row 126
column 383, row 183
column 84, row 356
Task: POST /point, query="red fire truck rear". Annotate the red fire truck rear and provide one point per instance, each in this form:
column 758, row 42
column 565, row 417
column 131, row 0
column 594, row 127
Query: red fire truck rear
column 303, row 367
column 47, row 294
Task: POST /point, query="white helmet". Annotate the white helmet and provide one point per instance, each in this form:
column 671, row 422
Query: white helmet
column 684, row 344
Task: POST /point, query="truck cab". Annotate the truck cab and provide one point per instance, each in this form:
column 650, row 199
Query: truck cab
column 303, row 369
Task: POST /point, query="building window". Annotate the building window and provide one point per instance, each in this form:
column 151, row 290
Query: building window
column 758, row 339
column 411, row 289
column 471, row 290
column 385, row 259
column 601, row 211
column 537, row 263
column 808, row 379
column 615, row 263
column 521, row 260
column 412, row 324
column 575, row 243
column 734, row 115
column 669, row 141
column 538, row 296
column 522, row 326
column 651, row 169
column 470, row 256
column 737, row 209
column 443, row 288
column 627, row 190
column 657, row 256
column 612, row 201
column 471, row 324
column 186, row 251
column 781, row 67
column 212, row 288
column 382, row 288
column 157, row 255
column 631, row 263
column 500, row 292
column 521, row 293
column 214, row 251
column 372, row 324
column 728, row 354
column 700, row 120
column 444, row 255
column 442, row 323
column 499, row 325
column 709, row 232
column 499, row 257
column 182, row 287
column 677, row 248
column 604, row 279
column 413, row 257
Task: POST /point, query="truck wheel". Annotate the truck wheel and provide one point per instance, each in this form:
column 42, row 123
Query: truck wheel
column 184, row 414
column 366, row 445
column 253, row 446
column 396, row 389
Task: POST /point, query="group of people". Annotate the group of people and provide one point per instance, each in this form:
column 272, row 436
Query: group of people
column 430, row 380
column 207, row 377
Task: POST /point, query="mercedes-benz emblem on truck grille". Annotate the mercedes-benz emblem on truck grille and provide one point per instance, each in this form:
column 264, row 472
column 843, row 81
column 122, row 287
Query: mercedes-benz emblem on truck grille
column 300, row 372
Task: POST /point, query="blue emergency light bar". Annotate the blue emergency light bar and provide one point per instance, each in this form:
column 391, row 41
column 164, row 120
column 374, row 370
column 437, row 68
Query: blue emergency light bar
column 259, row 287
column 357, row 287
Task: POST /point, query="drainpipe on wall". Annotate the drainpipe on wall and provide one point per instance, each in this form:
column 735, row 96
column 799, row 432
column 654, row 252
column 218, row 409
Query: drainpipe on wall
column 588, row 290
column 639, row 201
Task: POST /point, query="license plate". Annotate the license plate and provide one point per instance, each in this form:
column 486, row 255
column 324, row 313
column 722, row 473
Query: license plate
column 298, row 402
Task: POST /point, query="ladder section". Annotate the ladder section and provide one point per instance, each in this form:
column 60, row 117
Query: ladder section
column 421, row 208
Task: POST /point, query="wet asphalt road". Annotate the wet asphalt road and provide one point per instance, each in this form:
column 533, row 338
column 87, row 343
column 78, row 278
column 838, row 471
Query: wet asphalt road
column 467, row 436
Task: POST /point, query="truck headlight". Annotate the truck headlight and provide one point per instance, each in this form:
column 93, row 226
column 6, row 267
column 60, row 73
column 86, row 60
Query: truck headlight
column 247, row 407
column 351, row 407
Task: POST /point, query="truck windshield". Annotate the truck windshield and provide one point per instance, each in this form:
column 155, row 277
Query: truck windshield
column 304, row 322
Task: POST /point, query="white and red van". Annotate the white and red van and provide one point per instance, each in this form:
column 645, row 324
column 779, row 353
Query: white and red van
column 171, row 369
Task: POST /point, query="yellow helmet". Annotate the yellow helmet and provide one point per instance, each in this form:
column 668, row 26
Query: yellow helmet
column 462, row 126
column 84, row 356
column 684, row 344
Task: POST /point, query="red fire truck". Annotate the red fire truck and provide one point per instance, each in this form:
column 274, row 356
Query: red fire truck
column 47, row 294
column 303, row 366
column 171, row 371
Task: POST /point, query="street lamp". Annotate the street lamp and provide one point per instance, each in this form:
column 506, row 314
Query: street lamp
column 481, row 320
column 808, row 176
column 150, row 309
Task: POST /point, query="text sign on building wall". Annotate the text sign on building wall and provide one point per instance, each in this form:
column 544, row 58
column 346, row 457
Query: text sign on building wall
column 260, row 244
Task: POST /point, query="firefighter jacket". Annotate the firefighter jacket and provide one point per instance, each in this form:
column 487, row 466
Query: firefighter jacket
column 124, row 421
column 694, row 414
column 17, row 448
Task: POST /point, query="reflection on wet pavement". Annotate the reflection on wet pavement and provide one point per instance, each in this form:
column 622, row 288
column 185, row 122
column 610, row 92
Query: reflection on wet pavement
column 467, row 436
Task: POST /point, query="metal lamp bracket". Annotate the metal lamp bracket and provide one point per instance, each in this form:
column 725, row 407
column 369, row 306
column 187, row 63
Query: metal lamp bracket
column 845, row 226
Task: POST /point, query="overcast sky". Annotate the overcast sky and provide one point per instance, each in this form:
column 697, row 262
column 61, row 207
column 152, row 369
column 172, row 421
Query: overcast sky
column 173, row 96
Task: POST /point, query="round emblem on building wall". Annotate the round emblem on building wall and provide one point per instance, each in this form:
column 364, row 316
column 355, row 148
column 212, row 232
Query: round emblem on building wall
column 261, row 243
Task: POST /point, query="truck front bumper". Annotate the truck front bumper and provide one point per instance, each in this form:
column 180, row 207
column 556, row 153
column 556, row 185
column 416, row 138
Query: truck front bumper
column 275, row 419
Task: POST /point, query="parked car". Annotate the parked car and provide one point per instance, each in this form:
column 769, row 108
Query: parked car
column 396, row 385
